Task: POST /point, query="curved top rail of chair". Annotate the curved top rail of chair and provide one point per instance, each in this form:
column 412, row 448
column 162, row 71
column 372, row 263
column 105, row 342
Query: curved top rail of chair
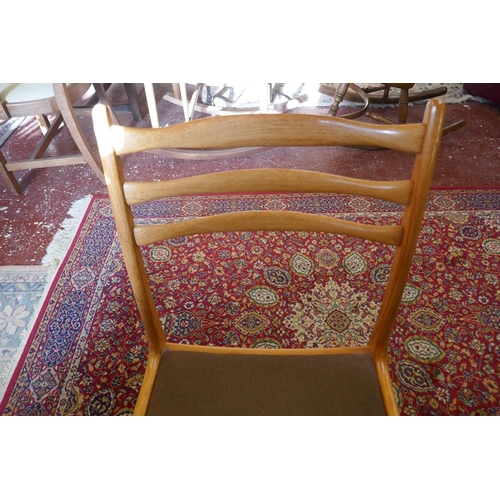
column 227, row 132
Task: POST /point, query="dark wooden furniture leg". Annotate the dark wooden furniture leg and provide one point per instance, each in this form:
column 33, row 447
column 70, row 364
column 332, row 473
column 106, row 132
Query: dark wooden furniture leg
column 338, row 98
column 136, row 101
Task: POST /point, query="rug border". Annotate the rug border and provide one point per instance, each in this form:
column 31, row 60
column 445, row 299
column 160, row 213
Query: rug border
column 40, row 267
column 43, row 305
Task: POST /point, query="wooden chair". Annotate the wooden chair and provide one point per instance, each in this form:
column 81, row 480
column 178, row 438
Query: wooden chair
column 189, row 379
column 41, row 100
column 190, row 105
column 380, row 94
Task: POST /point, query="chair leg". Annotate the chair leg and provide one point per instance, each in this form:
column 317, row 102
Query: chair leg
column 194, row 100
column 104, row 99
column 189, row 106
column 454, row 126
column 49, row 134
column 403, row 106
column 66, row 108
column 9, row 178
column 338, row 98
column 185, row 102
column 43, row 122
column 153, row 109
column 176, row 90
column 136, row 101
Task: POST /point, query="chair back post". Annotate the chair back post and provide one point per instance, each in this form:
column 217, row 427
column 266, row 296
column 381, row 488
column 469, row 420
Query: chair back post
column 422, row 175
column 124, row 224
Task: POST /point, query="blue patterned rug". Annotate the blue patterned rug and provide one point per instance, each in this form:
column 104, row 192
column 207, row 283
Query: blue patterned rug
column 21, row 288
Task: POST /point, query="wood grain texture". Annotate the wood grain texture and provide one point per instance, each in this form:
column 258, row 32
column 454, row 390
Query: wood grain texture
column 267, row 180
column 268, row 131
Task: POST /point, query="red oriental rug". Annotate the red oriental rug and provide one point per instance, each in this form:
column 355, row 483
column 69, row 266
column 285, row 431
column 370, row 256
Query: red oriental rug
column 86, row 354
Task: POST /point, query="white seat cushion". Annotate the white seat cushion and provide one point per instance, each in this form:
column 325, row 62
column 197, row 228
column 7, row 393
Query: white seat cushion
column 21, row 92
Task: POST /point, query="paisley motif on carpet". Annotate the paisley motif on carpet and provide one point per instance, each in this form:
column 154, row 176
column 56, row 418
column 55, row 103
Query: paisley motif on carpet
column 86, row 354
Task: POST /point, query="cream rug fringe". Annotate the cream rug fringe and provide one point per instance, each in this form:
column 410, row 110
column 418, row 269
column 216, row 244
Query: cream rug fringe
column 62, row 240
column 55, row 253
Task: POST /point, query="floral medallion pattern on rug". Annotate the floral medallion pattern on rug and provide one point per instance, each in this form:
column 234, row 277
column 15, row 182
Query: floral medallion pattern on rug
column 21, row 288
column 272, row 290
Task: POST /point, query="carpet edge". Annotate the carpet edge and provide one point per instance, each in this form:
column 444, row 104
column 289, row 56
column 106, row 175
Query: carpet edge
column 57, row 252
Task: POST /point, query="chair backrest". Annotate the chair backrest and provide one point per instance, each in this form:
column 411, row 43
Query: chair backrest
column 274, row 130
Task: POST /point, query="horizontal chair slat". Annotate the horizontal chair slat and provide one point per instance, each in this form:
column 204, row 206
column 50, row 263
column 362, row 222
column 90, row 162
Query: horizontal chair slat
column 267, row 180
column 262, row 131
column 267, row 221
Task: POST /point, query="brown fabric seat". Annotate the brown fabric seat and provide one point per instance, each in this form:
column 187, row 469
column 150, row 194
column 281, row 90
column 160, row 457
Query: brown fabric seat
column 193, row 383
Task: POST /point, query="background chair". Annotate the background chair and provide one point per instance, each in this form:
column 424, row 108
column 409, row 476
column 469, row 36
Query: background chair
column 193, row 379
column 41, row 100
column 380, row 94
column 190, row 105
column 222, row 99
